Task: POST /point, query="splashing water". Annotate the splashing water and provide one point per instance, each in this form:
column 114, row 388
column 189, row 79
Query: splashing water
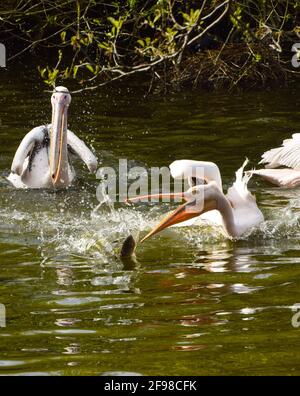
column 212, row 305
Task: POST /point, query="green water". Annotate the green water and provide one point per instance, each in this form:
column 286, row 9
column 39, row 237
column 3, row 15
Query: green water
column 193, row 303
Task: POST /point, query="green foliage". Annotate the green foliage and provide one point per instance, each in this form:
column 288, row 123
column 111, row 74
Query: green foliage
column 96, row 39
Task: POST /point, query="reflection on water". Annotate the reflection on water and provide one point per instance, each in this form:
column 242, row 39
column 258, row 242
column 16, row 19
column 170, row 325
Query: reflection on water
column 193, row 302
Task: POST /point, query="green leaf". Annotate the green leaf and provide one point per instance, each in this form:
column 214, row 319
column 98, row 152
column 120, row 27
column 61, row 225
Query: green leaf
column 63, row 36
column 104, row 46
column 114, row 22
column 90, row 68
column 75, row 70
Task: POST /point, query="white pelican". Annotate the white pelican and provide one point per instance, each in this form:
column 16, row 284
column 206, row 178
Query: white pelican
column 236, row 212
column 43, row 158
column 287, row 155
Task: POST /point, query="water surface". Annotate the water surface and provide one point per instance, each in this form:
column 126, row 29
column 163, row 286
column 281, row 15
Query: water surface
column 193, row 302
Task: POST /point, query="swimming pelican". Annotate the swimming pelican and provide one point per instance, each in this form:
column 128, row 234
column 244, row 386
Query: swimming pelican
column 43, row 158
column 236, row 212
column 287, row 155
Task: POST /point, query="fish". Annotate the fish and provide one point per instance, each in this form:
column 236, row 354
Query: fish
column 128, row 247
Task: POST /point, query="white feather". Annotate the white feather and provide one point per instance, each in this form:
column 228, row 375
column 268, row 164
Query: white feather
column 287, row 155
column 38, row 174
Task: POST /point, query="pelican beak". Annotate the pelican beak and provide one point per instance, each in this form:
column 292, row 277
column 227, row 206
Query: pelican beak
column 56, row 141
column 150, row 197
column 182, row 213
column 190, row 209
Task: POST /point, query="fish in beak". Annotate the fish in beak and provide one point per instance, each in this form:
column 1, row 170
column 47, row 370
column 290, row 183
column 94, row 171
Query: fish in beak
column 58, row 156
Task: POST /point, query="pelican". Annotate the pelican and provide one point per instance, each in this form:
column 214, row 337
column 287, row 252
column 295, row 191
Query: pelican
column 236, row 212
column 43, row 159
column 288, row 155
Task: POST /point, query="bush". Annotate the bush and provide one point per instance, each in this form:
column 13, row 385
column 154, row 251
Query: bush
column 95, row 42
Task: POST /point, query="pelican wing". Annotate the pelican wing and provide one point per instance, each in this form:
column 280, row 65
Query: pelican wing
column 238, row 194
column 36, row 135
column 287, row 155
column 280, row 177
column 186, row 169
column 83, row 152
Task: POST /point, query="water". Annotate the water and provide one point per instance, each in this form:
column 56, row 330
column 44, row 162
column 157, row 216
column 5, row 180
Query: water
column 193, row 302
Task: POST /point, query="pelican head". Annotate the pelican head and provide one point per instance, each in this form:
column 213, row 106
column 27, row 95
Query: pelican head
column 58, row 157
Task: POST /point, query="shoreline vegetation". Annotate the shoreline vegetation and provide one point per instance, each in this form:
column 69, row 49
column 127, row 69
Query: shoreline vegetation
column 209, row 44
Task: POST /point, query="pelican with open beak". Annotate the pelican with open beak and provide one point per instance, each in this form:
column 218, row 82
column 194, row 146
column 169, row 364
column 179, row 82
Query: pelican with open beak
column 43, row 159
column 287, row 156
column 236, row 212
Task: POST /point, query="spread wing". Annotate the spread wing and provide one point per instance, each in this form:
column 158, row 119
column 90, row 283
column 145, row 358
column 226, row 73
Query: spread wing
column 36, row 135
column 287, row 155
